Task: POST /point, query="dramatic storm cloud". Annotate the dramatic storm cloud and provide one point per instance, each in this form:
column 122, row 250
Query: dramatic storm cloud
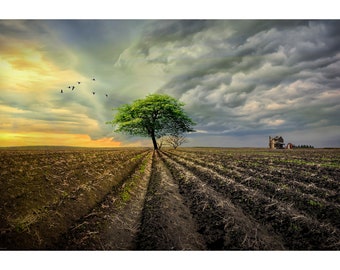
column 241, row 80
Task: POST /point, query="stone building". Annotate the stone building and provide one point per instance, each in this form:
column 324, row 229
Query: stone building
column 276, row 142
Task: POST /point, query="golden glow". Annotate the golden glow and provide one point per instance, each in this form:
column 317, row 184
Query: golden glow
column 27, row 75
column 24, row 68
column 40, row 138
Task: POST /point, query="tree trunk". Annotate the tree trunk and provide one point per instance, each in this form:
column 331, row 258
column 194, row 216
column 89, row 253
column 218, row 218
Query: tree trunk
column 155, row 146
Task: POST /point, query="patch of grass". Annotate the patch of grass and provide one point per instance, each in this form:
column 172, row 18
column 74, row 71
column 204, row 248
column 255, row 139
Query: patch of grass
column 143, row 167
column 314, row 203
column 139, row 156
column 23, row 224
column 284, row 186
column 295, row 228
column 125, row 195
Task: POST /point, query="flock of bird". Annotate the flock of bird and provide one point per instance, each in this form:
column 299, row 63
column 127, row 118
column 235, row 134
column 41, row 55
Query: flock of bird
column 73, row 87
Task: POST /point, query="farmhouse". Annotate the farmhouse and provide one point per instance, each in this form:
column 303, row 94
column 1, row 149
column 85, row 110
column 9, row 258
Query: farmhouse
column 276, row 142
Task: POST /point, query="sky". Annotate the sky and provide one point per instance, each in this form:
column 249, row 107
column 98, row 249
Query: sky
column 241, row 80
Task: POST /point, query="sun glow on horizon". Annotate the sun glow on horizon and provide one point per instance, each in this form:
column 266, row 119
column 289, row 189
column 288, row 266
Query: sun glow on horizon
column 30, row 77
column 8, row 139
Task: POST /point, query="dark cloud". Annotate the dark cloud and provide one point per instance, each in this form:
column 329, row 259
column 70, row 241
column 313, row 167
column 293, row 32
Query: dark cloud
column 164, row 31
column 266, row 75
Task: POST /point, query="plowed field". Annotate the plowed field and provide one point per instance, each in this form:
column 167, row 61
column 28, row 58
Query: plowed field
column 186, row 199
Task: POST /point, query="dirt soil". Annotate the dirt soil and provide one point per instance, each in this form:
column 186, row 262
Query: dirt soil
column 188, row 199
column 167, row 223
column 114, row 223
column 152, row 216
column 45, row 192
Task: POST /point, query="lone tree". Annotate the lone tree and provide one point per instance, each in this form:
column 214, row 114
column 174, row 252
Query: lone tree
column 155, row 116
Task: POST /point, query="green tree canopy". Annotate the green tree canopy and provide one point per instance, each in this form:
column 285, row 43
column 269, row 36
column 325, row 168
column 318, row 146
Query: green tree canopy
column 155, row 116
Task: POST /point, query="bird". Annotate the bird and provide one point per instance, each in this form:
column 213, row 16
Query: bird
column 61, row 91
column 106, row 95
column 73, row 88
column 93, row 93
column 93, row 79
column 78, row 82
column 69, row 87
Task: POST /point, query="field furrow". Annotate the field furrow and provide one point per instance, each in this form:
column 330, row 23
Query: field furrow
column 300, row 231
column 185, row 199
column 316, row 171
column 36, row 222
column 114, row 223
column 283, row 189
column 223, row 225
column 166, row 221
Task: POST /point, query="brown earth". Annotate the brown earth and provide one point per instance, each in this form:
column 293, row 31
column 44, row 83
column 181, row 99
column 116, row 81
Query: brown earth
column 151, row 217
column 44, row 192
column 188, row 199
column 167, row 223
column 223, row 224
column 114, row 223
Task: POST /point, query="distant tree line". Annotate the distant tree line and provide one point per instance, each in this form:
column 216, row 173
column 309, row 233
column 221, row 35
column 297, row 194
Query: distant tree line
column 303, row 146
